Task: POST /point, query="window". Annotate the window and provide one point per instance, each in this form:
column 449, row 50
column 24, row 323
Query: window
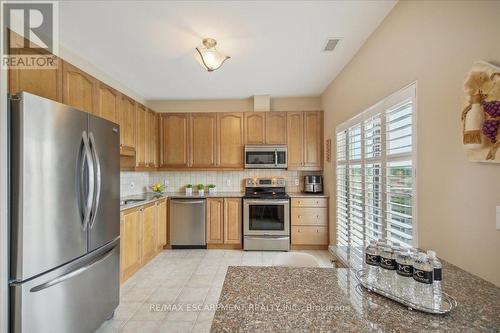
column 376, row 173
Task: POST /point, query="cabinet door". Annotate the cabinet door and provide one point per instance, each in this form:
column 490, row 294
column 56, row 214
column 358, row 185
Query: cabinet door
column 313, row 140
column 230, row 140
column 295, row 139
column 155, row 139
column 127, row 122
column 232, row 221
column 79, row 89
column 162, row 224
column 215, row 221
column 149, row 152
column 276, row 128
column 108, row 102
column 42, row 82
column 130, row 243
column 203, row 129
column 174, row 140
column 255, row 128
column 140, row 146
column 149, row 232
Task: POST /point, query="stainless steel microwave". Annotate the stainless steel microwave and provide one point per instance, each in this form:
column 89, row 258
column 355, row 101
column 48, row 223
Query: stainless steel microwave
column 266, row 157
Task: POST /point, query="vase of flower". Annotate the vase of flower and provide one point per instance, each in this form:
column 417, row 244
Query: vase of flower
column 211, row 189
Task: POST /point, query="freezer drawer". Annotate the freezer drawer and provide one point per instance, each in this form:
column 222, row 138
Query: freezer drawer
column 77, row 297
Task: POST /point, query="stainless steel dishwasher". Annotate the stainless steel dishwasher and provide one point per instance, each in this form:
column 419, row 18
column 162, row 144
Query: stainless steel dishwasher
column 187, row 223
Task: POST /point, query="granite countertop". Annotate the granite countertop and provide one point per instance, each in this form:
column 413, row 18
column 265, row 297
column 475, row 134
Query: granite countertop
column 287, row 299
column 145, row 197
column 182, row 195
column 307, row 195
column 151, row 197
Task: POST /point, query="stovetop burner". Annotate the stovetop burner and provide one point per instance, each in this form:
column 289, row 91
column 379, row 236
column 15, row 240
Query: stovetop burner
column 265, row 188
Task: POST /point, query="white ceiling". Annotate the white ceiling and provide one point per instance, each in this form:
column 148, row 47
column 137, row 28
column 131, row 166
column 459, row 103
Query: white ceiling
column 275, row 46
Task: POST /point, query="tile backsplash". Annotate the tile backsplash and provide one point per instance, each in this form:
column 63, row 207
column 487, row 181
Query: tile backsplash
column 226, row 181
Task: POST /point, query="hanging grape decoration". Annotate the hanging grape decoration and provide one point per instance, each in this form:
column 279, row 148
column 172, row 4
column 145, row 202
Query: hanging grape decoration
column 492, row 124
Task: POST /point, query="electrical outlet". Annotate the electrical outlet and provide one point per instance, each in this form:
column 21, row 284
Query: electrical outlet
column 132, row 185
column 228, row 182
column 498, row 217
column 165, row 182
column 296, row 182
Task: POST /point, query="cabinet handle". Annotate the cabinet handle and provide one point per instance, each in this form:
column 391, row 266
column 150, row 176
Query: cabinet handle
column 317, row 230
column 299, row 216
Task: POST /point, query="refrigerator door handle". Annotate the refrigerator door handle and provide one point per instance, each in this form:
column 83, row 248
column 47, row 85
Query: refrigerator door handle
column 87, row 201
column 75, row 272
column 98, row 178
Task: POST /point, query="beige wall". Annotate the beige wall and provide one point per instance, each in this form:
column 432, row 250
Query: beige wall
column 434, row 43
column 235, row 105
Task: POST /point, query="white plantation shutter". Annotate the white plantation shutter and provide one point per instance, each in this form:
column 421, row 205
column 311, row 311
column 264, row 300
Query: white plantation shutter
column 375, row 173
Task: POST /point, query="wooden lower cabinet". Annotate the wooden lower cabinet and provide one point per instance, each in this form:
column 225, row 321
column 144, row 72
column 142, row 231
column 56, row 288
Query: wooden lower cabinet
column 232, row 221
column 309, row 235
column 130, row 242
column 143, row 233
column 224, row 222
column 149, row 233
column 309, row 220
column 215, row 221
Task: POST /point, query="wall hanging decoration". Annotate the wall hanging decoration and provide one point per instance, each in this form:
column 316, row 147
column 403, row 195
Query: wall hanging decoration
column 481, row 117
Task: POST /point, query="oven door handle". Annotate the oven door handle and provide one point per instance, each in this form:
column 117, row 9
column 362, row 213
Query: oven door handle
column 266, row 202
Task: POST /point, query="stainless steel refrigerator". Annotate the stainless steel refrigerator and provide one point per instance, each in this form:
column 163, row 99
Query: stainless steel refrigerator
column 65, row 217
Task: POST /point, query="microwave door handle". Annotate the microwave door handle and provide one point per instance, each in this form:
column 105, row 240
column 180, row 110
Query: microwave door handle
column 276, row 157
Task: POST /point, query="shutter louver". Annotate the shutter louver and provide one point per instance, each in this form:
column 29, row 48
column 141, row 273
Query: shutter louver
column 375, row 174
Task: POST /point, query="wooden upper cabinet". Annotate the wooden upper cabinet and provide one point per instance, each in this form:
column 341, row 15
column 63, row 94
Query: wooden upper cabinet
column 42, row 82
column 215, row 221
column 79, row 89
column 276, row 128
column 150, row 138
column 232, row 221
column 313, row 140
column 230, row 140
column 295, row 139
column 155, row 139
column 140, row 142
column 203, row 130
column 174, row 139
column 255, row 128
column 127, row 121
column 108, row 102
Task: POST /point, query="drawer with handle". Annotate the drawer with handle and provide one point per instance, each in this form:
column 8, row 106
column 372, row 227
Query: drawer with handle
column 309, row 202
column 309, row 216
column 309, row 235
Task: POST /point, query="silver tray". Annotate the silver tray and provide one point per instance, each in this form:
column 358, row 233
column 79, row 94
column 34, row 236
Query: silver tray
column 448, row 303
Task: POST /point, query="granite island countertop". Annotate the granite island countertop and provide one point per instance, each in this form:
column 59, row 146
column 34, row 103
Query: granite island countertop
column 286, row 299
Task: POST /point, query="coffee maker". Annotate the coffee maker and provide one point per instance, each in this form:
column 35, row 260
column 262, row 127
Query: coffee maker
column 313, row 184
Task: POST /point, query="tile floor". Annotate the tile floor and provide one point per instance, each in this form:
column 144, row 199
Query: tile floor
column 179, row 289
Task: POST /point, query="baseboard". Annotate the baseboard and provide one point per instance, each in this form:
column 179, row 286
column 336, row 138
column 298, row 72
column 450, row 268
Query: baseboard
column 309, row 247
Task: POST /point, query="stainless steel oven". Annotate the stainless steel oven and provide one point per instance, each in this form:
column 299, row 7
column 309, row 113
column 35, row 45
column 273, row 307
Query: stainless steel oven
column 266, row 157
column 266, row 216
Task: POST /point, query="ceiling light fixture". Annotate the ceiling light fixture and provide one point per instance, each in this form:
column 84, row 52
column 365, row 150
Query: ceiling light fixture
column 211, row 59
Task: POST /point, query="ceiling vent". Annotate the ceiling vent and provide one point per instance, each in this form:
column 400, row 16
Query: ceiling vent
column 331, row 44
